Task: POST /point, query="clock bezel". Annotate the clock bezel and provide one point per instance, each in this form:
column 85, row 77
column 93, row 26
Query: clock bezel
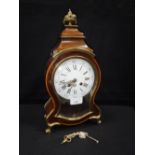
column 66, row 59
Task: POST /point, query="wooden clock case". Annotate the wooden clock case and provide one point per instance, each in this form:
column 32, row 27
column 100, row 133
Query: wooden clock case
column 71, row 45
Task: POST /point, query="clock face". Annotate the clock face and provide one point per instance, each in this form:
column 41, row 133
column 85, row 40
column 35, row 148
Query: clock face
column 74, row 78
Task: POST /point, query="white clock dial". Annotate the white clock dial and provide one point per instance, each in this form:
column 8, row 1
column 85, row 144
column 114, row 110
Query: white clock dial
column 74, row 78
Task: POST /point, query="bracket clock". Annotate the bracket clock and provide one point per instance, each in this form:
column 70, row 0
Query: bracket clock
column 72, row 79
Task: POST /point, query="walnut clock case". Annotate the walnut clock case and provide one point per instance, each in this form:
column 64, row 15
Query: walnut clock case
column 72, row 79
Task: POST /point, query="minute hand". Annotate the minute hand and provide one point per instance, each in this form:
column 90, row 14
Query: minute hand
column 69, row 82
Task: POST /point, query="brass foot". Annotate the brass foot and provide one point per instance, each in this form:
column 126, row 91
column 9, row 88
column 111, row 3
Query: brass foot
column 99, row 121
column 48, row 130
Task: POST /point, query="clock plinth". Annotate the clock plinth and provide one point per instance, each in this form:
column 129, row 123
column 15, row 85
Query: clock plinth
column 72, row 79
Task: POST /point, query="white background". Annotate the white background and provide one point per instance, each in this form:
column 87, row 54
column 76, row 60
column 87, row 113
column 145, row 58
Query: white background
column 145, row 77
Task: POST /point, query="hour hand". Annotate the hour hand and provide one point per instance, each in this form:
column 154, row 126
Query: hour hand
column 71, row 81
column 63, row 82
column 68, row 82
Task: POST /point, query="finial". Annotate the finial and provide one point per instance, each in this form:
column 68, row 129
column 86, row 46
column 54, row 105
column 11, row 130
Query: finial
column 70, row 19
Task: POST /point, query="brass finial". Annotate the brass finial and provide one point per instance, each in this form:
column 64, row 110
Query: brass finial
column 70, row 19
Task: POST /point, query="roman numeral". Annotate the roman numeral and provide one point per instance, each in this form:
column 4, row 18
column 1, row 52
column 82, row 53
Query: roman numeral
column 68, row 69
column 85, row 73
column 61, row 82
column 80, row 68
column 87, row 78
column 63, row 87
column 85, row 84
column 68, row 91
column 74, row 67
column 81, row 89
column 75, row 91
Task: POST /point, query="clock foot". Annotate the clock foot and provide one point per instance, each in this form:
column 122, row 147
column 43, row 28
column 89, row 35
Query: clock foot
column 48, row 130
column 99, row 121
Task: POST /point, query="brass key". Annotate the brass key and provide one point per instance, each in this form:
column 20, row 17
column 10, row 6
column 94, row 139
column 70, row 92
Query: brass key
column 84, row 135
column 68, row 138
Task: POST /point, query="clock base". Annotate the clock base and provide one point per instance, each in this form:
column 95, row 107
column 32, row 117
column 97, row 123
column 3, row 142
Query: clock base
column 48, row 130
column 54, row 123
column 53, row 116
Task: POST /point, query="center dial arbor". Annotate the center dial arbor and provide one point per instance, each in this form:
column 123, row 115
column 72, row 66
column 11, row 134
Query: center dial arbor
column 74, row 77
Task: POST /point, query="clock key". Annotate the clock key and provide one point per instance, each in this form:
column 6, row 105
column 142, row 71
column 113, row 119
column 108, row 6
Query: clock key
column 68, row 138
column 84, row 135
column 92, row 138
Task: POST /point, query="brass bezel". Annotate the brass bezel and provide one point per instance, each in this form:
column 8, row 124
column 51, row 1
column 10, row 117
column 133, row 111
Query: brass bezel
column 68, row 58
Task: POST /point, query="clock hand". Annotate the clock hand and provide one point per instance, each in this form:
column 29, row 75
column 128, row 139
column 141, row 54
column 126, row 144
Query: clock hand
column 74, row 80
column 69, row 82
